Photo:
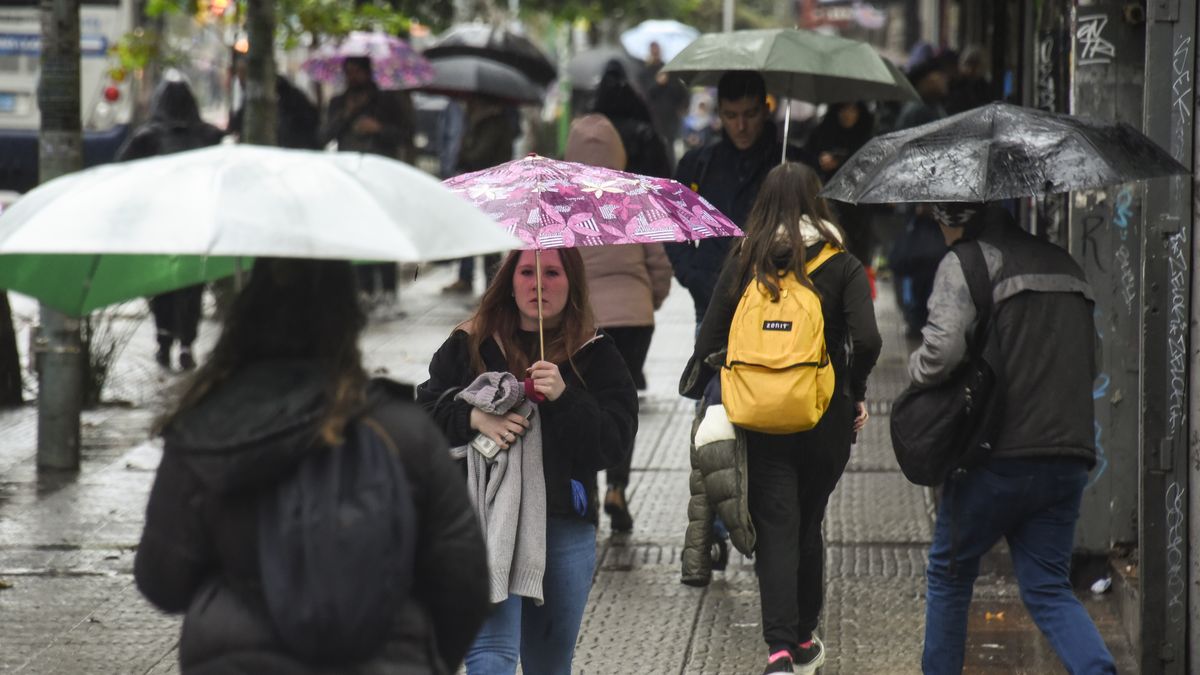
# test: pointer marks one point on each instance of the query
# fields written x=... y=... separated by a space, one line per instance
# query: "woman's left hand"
x=547 y=380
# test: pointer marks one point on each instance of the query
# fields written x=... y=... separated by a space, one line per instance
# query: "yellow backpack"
x=777 y=377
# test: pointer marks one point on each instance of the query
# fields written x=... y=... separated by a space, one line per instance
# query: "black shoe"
x=720 y=557
x=809 y=659
x=186 y=361
x=163 y=357
x=617 y=508
x=782 y=664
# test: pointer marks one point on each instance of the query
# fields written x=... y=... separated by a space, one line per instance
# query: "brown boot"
x=617 y=508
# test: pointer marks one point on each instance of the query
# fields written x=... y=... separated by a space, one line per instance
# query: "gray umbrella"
x=999 y=151
x=466 y=76
x=586 y=68
x=497 y=44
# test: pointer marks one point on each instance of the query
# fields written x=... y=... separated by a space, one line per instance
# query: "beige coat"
x=626 y=283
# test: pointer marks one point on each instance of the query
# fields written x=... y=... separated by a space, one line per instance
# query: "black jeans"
x=633 y=342
x=790 y=480
x=177 y=315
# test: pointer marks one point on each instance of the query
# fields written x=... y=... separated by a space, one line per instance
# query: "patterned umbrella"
x=394 y=63
x=549 y=204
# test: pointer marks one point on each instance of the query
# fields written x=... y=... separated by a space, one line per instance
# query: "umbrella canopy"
x=497 y=44
x=120 y=231
x=671 y=36
x=394 y=63
x=554 y=204
x=797 y=64
x=466 y=76
x=586 y=68
x=999 y=151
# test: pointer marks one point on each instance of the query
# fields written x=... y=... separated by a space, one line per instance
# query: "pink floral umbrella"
x=394 y=63
x=549 y=204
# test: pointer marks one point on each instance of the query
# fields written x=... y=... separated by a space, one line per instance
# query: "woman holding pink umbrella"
x=540 y=534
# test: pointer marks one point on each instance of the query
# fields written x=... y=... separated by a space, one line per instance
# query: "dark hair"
x=499 y=317
x=735 y=85
x=292 y=309
x=363 y=62
x=616 y=98
x=789 y=193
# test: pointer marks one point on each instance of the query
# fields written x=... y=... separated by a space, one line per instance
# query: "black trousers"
x=376 y=277
x=177 y=315
x=790 y=480
x=633 y=342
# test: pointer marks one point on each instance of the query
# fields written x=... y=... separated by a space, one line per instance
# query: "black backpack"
x=951 y=426
x=336 y=545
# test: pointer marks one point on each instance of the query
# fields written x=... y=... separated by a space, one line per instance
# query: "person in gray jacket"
x=1029 y=489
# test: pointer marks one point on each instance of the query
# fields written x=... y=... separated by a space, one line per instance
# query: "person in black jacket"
x=297 y=121
x=844 y=129
x=1028 y=492
x=617 y=100
x=727 y=173
x=588 y=421
x=284 y=380
x=791 y=476
x=174 y=126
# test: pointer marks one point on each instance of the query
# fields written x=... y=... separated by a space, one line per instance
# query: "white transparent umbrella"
x=121 y=231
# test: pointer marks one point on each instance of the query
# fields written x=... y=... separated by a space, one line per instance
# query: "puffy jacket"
x=719 y=486
x=1046 y=334
x=199 y=553
x=590 y=428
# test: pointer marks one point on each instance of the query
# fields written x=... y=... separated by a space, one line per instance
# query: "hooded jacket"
x=626 y=284
x=198 y=553
x=174 y=125
x=590 y=428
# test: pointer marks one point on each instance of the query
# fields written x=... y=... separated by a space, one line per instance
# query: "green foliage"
x=302 y=21
x=630 y=10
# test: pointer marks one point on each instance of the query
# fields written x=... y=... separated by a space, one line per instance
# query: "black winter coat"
x=199 y=554
x=590 y=428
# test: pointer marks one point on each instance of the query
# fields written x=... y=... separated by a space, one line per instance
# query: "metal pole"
x=727 y=17
x=787 y=125
x=60 y=151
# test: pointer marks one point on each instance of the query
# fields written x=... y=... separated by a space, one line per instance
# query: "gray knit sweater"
x=510 y=499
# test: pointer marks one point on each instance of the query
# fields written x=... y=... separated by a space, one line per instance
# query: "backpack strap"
x=827 y=252
x=974 y=266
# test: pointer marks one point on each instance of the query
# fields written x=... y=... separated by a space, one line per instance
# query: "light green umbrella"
x=121 y=231
x=797 y=64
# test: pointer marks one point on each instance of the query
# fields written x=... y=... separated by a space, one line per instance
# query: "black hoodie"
x=174 y=125
x=198 y=552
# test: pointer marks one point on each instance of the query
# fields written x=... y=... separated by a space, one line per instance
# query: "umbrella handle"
x=537 y=256
x=787 y=125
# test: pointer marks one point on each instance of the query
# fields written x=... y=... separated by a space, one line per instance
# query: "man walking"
x=727 y=173
x=1028 y=491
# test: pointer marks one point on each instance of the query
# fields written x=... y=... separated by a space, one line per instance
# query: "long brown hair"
x=292 y=309
x=499 y=317
x=789 y=194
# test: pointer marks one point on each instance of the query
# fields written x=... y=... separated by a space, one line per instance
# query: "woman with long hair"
x=791 y=476
x=283 y=384
x=586 y=421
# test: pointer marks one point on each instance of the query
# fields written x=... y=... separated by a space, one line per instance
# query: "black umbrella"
x=996 y=152
x=497 y=44
x=466 y=76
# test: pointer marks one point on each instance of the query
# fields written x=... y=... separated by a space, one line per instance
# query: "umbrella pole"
x=787 y=125
x=537 y=256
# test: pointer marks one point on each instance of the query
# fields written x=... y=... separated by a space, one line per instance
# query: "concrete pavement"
x=68 y=604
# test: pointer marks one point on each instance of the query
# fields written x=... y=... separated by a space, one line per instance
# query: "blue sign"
x=18 y=44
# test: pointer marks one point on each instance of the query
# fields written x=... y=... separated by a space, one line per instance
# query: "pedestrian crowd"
x=483 y=496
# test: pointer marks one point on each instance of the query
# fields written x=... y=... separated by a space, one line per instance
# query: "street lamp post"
x=727 y=17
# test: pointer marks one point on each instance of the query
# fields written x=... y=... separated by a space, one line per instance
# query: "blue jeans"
x=1033 y=504
x=542 y=638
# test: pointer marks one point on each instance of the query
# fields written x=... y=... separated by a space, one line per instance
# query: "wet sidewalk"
x=68 y=604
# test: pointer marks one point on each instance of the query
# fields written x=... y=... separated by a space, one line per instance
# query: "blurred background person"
x=297 y=120
x=626 y=285
x=174 y=126
x=491 y=130
x=844 y=129
x=617 y=99
x=667 y=98
x=364 y=118
x=970 y=86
